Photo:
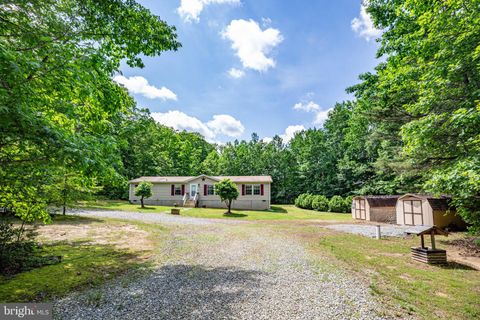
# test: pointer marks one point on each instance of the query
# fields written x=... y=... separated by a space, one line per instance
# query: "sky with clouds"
x=263 y=66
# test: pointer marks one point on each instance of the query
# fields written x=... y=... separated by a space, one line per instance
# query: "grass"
x=120 y=206
x=277 y=212
x=84 y=264
x=81 y=266
x=447 y=292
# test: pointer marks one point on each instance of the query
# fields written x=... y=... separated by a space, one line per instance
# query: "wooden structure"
x=375 y=208
x=427 y=210
x=425 y=254
x=175 y=211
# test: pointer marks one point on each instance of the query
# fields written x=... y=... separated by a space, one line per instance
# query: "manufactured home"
x=199 y=191
x=426 y=210
x=375 y=208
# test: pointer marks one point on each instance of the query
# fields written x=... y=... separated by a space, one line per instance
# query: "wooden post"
x=422 y=241
x=432 y=239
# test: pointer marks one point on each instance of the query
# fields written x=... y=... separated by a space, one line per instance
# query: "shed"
x=427 y=210
x=375 y=208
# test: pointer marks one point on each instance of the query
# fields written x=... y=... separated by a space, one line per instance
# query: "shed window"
x=256 y=189
x=248 y=189
x=210 y=190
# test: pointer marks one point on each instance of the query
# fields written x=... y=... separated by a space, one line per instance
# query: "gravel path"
x=229 y=272
x=370 y=230
x=163 y=217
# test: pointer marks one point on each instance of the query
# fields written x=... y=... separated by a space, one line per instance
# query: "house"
x=375 y=208
x=199 y=191
x=427 y=210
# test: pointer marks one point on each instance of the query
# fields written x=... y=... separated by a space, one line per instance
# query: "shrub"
x=16 y=249
x=336 y=204
x=320 y=203
x=348 y=204
x=299 y=200
x=307 y=201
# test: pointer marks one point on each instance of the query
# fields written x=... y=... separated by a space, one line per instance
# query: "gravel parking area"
x=162 y=217
x=230 y=272
x=370 y=230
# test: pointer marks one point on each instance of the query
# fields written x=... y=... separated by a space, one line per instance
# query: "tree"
x=144 y=190
x=227 y=191
x=59 y=107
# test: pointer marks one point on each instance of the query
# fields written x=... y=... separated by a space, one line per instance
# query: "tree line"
x=67 y=129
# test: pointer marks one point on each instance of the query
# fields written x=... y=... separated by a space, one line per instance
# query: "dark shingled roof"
x=380 y=201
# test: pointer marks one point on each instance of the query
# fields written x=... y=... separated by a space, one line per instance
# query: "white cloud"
x=225 y=124
x=252 y=44
x=308 y=107
x=221 y=124
x=290 y=132
x=267 y=139
x=139 y=85
x=236 y=73
x=320 y=115
x=363 y=25
x=190 y=10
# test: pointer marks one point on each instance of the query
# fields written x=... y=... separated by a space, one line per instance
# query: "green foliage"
x=227 y=191
x=143 y=190
x=320 y=203
x=336 y=204
x=17 y=250
x=59 y=107
x=348 y=204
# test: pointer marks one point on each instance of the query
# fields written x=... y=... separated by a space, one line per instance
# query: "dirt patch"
x=466 y=246
x=122 y=236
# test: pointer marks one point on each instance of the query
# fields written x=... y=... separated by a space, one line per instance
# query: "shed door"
x=360 y=212
x=412 y=212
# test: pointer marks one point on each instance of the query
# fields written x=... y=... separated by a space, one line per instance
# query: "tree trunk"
x=229 y=206
x=64 y=194
x=141 y=201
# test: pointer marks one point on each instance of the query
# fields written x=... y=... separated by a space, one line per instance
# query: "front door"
x=360 y=210
x=193 y=190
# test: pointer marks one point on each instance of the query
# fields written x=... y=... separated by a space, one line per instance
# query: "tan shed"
x=374 y=208
x=427 y=210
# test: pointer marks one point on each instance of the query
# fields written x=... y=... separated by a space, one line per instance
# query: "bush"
x=320 y=203
x=336 y=204
x=348 y=204
x=308 y=201
x=304 y=201
x=16 y=249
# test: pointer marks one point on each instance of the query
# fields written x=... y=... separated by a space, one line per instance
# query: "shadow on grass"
x=73 y=219
x=82 y=265
x=234 y=215
x=455 y=265
x=277 y=209
x=184 y=292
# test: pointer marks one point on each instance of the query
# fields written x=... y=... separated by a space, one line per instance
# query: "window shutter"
x=204 y=189
x=261 y=189
x=243 y=189
x=172 y=192
x=183 y=189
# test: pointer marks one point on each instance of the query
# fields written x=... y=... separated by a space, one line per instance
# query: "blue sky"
x=270 y=67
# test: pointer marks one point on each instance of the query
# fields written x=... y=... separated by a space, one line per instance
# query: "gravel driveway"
x=225 y=271
x=371 y=231
x=163 y=217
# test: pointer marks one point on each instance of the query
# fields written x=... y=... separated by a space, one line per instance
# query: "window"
x=252 y=189
x=178 y=190
x=210 y=190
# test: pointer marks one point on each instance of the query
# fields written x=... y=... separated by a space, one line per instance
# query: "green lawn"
x=277 y=212
x=82 y=264
x=121 y=206
x=446 y=292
